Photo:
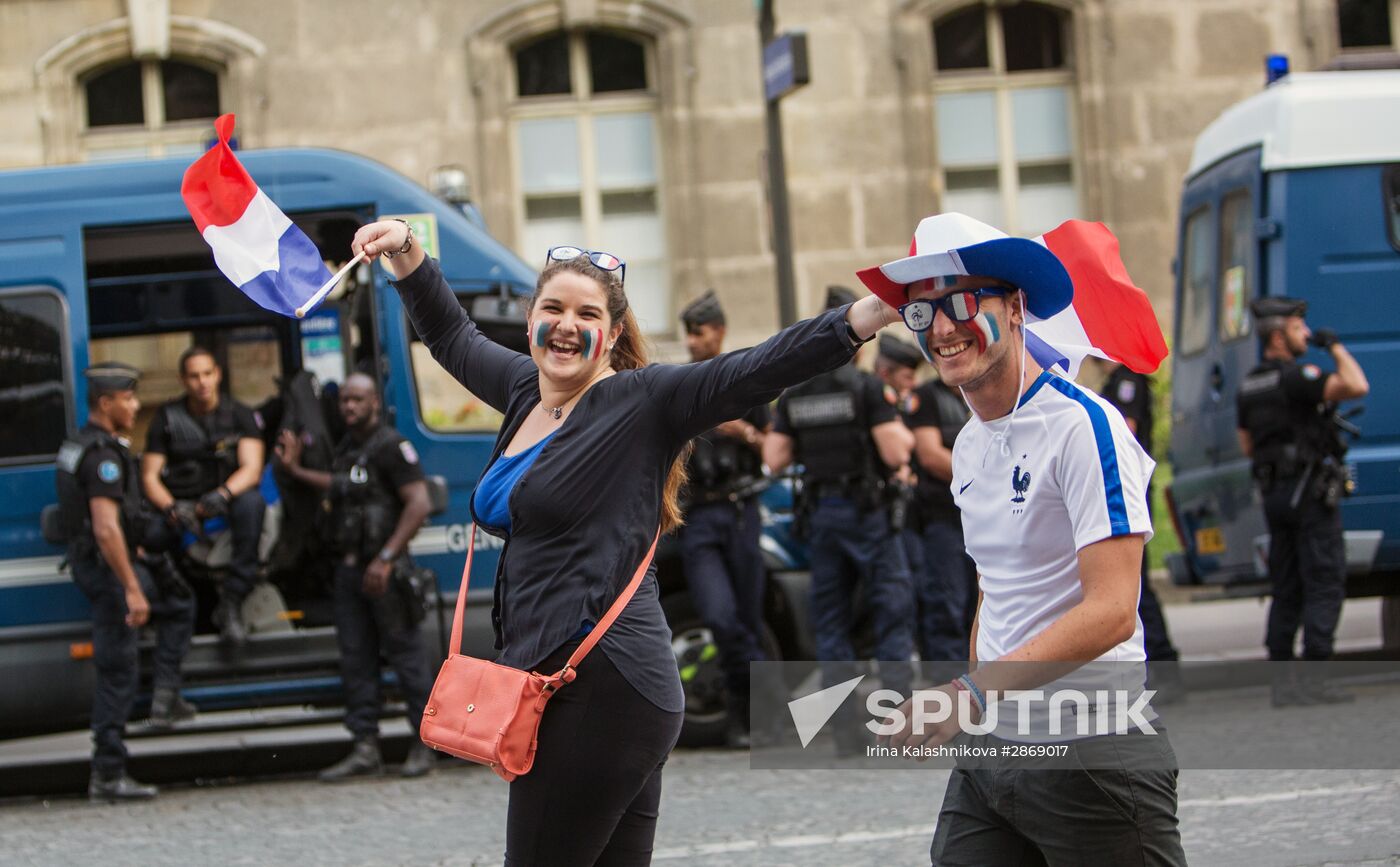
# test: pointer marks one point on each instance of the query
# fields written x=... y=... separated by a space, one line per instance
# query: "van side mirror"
x=438 y=495
x=51 y=525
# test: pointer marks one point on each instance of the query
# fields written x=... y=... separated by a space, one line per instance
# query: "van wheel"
x=1390 y=623
x=702 y=678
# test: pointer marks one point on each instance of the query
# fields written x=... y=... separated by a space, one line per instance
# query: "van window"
x=33 y=340
x=1194 y=316
x=444 y=404
x=1236 y=285
x=1391 y=186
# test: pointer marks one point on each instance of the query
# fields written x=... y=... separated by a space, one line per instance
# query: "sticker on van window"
x=1232 y=304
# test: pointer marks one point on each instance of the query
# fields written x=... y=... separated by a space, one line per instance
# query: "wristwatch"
x=385 y=555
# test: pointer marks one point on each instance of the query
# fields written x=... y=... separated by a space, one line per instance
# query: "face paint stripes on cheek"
x=592 y=343
x=987 y=331
x=540 y=336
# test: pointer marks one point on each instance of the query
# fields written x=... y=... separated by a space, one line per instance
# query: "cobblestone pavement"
x=716 y=811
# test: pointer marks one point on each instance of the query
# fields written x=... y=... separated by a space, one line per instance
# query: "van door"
x=1217 y=274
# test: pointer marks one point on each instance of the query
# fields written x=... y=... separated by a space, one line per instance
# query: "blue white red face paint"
x=590 y=339
x=983 y=325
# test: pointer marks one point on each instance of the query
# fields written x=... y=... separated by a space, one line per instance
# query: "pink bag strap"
x=566 y=674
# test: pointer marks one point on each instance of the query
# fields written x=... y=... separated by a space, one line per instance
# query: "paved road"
x=716 y=811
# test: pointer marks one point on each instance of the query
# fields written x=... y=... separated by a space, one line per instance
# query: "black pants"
x=1092 y=813
x=724 y=573
x=114 y=653
x=945 y=586
x=593 y=794
x=1307 y=566
x=245 y=519
x=365 y=627
x=1155 y=638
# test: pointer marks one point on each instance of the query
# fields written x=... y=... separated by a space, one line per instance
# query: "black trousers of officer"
x=365 y=626
x=945 y=585
x=245 y=518
x=1307 y=566
x=114 y=652
x=1155 y=638
x=853 y=548
x=724 y=572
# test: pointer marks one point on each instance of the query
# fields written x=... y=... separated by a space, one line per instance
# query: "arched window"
x=1004 y=114
x=149 y=108
x=1368 y=24
x=584 y=118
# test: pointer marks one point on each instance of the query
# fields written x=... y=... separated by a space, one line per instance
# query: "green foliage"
x=1164 y=539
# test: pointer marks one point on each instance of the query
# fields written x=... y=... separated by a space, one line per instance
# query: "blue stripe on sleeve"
x=1108 y=456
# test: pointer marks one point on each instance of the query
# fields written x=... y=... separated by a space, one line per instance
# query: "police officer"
x=1131 y=393
x=207 y=449
x=99 y=499
x=849 y=440
x=377 y=499
x=948 y=594
x=1285 y=427
x=720 y=540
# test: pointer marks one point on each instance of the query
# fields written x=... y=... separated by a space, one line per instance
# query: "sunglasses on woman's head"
x=606 y=261
x=957 y=306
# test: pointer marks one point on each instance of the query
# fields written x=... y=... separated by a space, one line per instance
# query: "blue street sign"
x=784 y=65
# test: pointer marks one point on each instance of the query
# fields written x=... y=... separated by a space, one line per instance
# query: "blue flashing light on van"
x=102 y=262
x=1294 y=191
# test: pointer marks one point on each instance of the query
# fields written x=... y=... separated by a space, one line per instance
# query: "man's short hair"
x=194 y=352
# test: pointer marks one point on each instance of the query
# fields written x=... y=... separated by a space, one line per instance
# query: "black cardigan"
x=583 y=515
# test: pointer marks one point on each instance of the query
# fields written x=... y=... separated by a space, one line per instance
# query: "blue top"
x=583 y=517
x=491 y=499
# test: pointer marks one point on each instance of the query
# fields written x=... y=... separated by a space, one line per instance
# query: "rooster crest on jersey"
x=1020 y=483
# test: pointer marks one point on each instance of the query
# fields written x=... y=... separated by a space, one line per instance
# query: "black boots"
x=1293 y=689
x=228 y=616
x=364 y=760
x=122 y=787
x=419 y=762
x=169 y=707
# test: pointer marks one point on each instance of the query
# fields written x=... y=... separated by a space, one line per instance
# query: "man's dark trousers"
x=724 y=572
x=944 y=591
x=245 y=518
x=365 y=626
x=1307 y=567
x=852 y=548
x=114 y=653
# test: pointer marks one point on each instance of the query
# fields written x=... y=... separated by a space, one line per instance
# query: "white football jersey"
x=1073 y=475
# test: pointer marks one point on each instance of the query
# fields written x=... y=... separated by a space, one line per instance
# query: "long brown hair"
x=628 y=353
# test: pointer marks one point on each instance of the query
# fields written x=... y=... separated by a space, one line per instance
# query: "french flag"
x=254 y=243
x=1109 y=317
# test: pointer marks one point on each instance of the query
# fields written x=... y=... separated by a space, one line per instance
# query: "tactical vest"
x=719 y=465
x=75 y=512
x=362 y=505
x=1287 y=436
x=831 y=430
x=195 y=461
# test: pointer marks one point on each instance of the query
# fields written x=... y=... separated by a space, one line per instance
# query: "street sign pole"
x=777 y=181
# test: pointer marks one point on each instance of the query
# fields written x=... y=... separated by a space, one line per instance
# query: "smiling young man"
x=1051 y=487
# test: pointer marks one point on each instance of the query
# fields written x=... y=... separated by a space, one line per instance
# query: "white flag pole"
x=330 y=284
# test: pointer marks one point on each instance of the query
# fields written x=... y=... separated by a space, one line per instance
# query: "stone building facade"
x=638 y=125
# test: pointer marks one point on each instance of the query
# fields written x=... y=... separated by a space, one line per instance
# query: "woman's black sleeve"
x=699 y=396
x=487 y=369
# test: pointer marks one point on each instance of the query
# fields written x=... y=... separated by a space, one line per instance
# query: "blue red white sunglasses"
x=958 y=306
x=606 y=261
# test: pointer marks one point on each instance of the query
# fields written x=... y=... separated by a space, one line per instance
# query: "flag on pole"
x=1109 y=316
x=261 y=251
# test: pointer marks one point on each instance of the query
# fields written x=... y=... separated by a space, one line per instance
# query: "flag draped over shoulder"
x=1109 y=316
x=261 y=251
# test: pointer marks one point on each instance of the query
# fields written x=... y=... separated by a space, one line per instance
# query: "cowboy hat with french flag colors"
x=254 y=243
x=1080 y=300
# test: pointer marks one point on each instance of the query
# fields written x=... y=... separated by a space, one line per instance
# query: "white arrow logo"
x=811 y=712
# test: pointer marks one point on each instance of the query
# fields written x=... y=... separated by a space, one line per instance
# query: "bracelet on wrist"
x=385 y=555
x=407 y=241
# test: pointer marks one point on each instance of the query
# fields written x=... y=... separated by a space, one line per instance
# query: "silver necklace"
x=557 y=412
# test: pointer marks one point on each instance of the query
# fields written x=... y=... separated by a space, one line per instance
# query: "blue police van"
x=1293 y=191
x=101 y=262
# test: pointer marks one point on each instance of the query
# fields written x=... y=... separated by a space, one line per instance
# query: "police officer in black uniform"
x=1131 y=392
x=377 y=499
x=720 y=540
x=99 y=498
x=1285 y=426
x=948 y=597
x=206 y=449
x=849 y=440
